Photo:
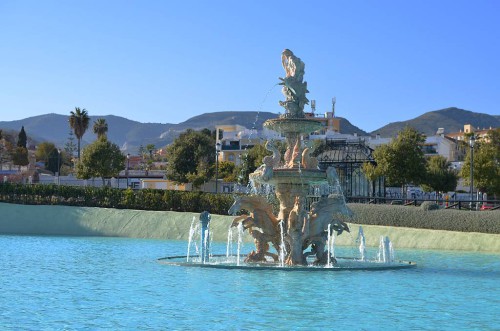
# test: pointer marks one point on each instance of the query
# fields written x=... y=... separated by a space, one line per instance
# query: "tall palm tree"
x=100 y=128
x=79 y=122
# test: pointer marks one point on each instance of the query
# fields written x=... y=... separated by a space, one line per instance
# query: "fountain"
x=305 y=223
x=303 y=227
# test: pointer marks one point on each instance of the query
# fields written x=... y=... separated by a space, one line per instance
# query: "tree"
x=54 y=161
x=486 y=164
x=100 y=159
x=190 y=157
x=22 y=140
x=6 y=147
x=20 y=156
x=43 y=152
x=79 y=122
x=150 y=148
x=440 y=177
x=2 y=149
x=70 y=148
x=402 y=161
x=227 y=171
x=100 y=128
x=372 y=173
x=141 y=151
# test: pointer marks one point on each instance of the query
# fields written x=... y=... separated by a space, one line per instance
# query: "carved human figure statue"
x=294 y=67
x=294 y=89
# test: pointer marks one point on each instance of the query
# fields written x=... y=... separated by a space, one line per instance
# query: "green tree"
x=2 y=149
x=70 y=148
x=20 y=156
x=141 y=150
x=190 y=157
x=79 y=122
x=372 y=173
x=100 y=128
x=227 y=171
x=402 y=161
x=486 y=164
x=54 y=161
x=100 y=159
x=6 y=148
x=440 y=177
x=43 y=151
x=318 y=146
x=150 y=148
x=22 y=140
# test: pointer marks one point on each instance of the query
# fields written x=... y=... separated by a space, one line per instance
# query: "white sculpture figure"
x=309 y=161
x=294 y=89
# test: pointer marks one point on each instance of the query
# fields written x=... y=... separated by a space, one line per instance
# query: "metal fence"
x=443 y=203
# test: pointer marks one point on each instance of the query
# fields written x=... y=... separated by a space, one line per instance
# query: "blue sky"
x=166 y=61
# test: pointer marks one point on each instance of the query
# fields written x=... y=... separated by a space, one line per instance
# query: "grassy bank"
x=88 y=221
x=420 y=218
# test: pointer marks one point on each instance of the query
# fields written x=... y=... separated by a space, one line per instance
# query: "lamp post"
x=128 y=165
x=217 y=150
x=471 y=142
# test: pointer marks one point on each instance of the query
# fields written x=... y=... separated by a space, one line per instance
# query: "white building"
x=234 y=140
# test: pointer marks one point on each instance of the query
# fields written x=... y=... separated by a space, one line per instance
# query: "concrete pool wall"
x=87 y=221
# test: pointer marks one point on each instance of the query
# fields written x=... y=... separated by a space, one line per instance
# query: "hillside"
x=129 y=135
x=451 y=119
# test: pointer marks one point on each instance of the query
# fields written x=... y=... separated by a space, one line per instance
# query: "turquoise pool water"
x=74 y=283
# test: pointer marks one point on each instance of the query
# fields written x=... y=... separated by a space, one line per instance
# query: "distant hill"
x=248 y=119
x=451 y=119
x=347 y=127
x=129 y=135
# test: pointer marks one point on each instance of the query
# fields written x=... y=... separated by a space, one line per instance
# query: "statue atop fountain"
x=306 y=224
x=294 y=89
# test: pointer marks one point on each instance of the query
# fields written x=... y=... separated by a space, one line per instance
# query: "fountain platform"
x=292 y=125
x=343 y=264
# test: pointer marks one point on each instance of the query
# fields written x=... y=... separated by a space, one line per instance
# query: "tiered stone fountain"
x=301 y=228
x=297 y=226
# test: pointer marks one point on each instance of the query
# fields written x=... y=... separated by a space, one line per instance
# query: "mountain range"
x=450 y=119
x=129 y=135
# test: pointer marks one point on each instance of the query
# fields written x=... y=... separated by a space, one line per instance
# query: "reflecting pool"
x=77 y=283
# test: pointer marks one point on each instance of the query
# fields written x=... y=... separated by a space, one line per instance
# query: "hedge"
x=424 y=217
x=147 y=199
x=420 y=218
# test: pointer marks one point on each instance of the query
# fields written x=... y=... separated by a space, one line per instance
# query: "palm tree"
x=100 y=128
x=79 y=122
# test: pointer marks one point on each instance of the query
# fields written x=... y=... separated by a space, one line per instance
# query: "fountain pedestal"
x=292 y=175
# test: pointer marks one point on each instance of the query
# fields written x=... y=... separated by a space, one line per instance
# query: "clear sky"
x=166 y=61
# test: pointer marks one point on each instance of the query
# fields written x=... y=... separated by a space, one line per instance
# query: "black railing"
x=443 y=203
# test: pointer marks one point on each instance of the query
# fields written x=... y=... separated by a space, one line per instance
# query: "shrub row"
x=147 y=199
x=424 y=217
x=427 y=218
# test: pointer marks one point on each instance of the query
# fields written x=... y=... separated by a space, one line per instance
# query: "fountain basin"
x=343 y=264
x=293 y=125
x=297 y=176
